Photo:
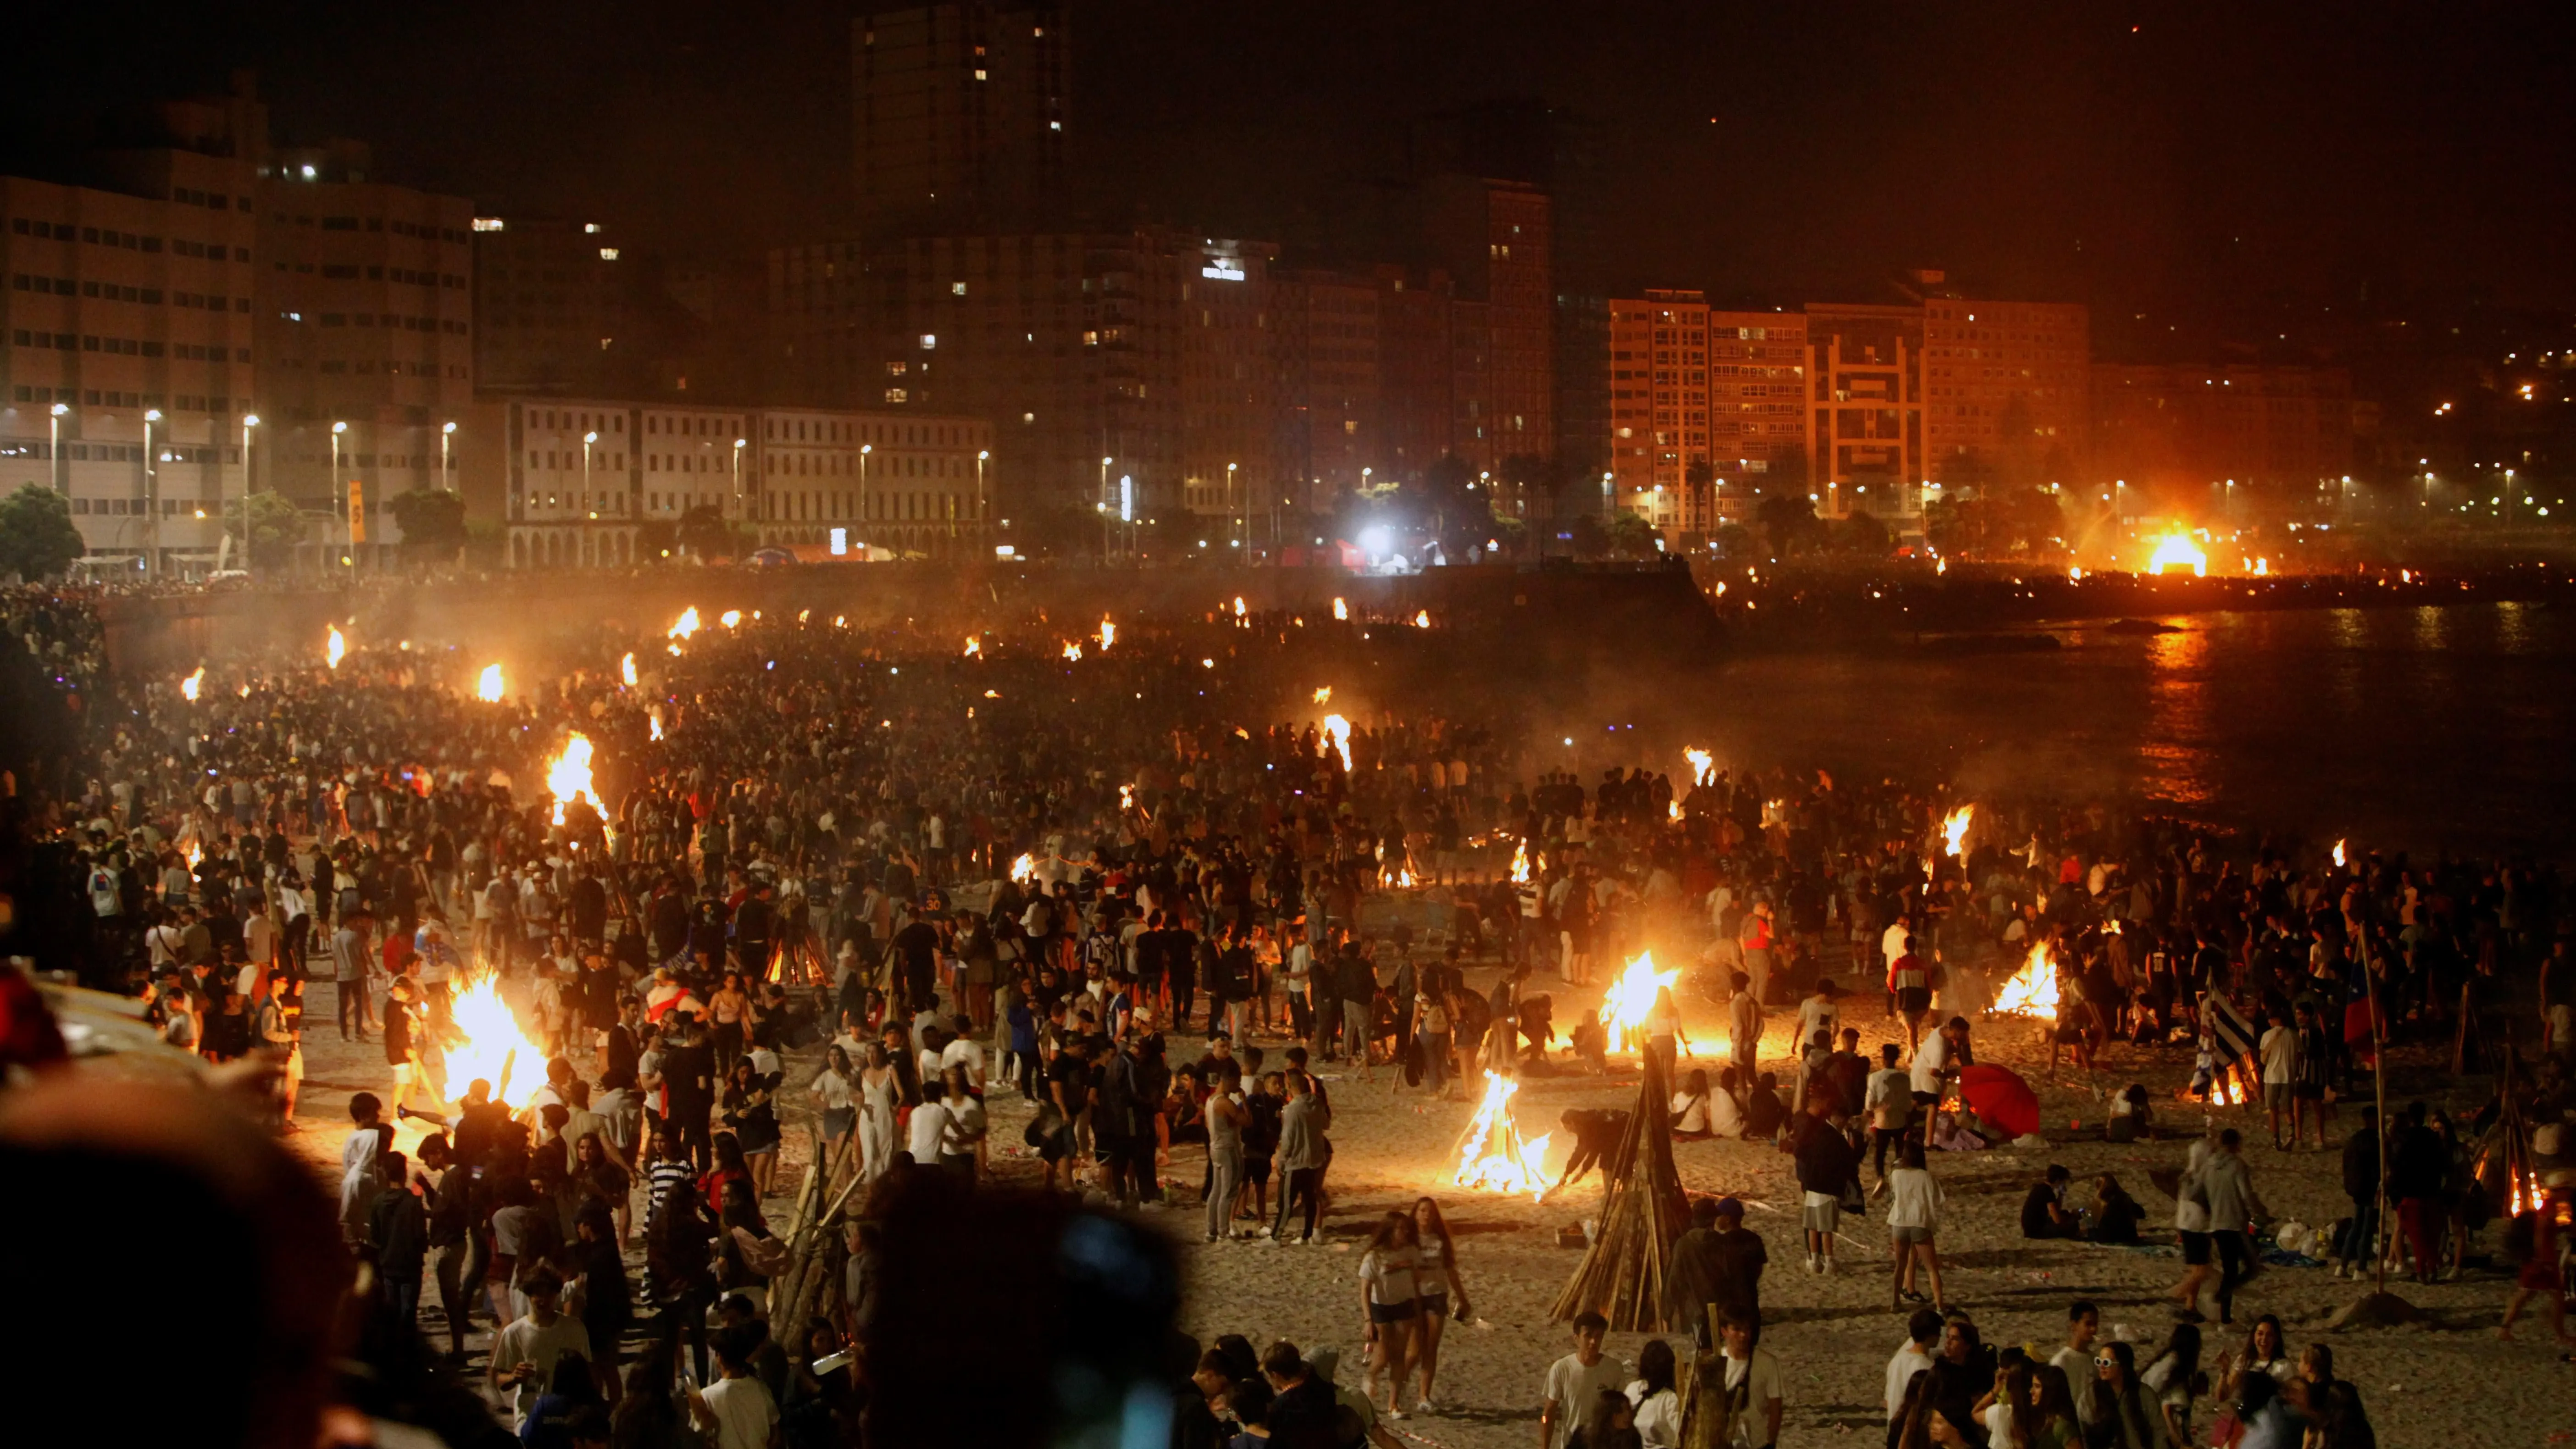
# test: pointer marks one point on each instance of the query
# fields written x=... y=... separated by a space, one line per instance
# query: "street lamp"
x=339 y=504
x=62 y=479
x=867 y=501
x=737 y=473
x=1104 y=508
x=151 y=500
x=1233 y=518
x=249 y=421
x=446 y=436
x=980 y=507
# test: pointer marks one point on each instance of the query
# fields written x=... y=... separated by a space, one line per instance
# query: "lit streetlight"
x=249 y=421
x=446 y=438
x=740 y=443
x=151 y=499
x=54 y=421
x=341 y=504
x=981 y=507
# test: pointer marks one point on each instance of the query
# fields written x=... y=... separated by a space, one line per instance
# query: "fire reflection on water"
x=2176 y=751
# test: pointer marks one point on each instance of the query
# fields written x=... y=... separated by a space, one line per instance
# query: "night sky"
x=2198 y=163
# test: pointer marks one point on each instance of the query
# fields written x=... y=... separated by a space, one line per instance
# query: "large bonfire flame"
x=489 y=1044
x=1341 y=608
x=334 y=648
x=1108 y=634
x=2033 y=989
x=1024 y=869
x=2174 y=551
x=1521 y=863
x=189 y=686
x=1491 y=1156
x=568 y=775
x=626 y=669
x=1337 y=737
x=1072 y=650
x=1624 y=1007
x=487 y=686
x=687 y=626
x=1954 y=830
x=1703 y=765
x=974 y=646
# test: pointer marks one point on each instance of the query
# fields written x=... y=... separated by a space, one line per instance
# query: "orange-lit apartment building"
x=2006 y=389
x=1689 y=385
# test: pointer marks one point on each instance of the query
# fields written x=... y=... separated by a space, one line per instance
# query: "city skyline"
x=2198 y=165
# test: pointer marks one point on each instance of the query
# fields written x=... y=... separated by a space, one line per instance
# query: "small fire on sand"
x=974 y=646
x=1521 y=863
x=1341 y=610
x=2033 y=989
x=189 y=686
x=334 y=648
x=1624 y=1006
x=1492 y=1157
x=687 y=626
x=1324 y=694
x=1422 y=619
x=1024 y=869
x=1108 y=635
x=1703 y=765
x=626 y=669
x=487 y=686
x=1072 y=650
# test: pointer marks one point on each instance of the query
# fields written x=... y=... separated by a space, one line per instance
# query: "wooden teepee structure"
x=1622 y=1274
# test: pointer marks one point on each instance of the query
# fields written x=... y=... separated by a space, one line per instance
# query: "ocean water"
x=2398 y=728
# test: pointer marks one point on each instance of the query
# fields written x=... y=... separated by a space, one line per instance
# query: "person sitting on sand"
x=1764 y=1112
x=2044 y=1213
x=1693 y=1118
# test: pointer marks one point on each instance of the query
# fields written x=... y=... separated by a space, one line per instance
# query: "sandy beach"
x=1833 y=1335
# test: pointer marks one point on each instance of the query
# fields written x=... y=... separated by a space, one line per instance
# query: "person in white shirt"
x=1934 y=1059
x=961 y=1138
x=1756 y=1372
x=963 y=1050
x=1914 y=1356
x=1820 y=1012
x=1657 y=1402
x=1576 y=1381
x=1913 y=1220
x=929 y=1130
x=736 y=1411
x=1889 y=1101
x=524 y=1352
x=2083 y=1325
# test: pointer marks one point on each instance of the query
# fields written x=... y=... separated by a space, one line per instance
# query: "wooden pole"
x=2379 y=1083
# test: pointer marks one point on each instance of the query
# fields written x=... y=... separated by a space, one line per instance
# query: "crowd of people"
x=870 y=876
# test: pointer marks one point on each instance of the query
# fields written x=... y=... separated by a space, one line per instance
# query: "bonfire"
x=2032 y=992
x=488 y=1044
x=687 y=626
x=1337 y=738
x=334 y=648
x=189 y=686
x=626 y=669
x=1703 y=765
x=1629 y=999
x=487 y=685
x=1492 y=1157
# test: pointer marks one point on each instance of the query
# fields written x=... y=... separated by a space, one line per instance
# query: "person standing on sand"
x=1303 y=1151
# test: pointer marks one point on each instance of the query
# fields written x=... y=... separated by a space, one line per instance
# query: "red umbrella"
x=2001 y=1097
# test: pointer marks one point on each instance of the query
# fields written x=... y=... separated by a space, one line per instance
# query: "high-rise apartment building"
x=1707 y=407
x=2004 y=391
x=365 y=341
x=550 y=308
x=1095 y=356
x=1757 y=405
x=1493 y=238
x=1864 y=389
x=1659 y=407
x=959 y=114
x=127 y=315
